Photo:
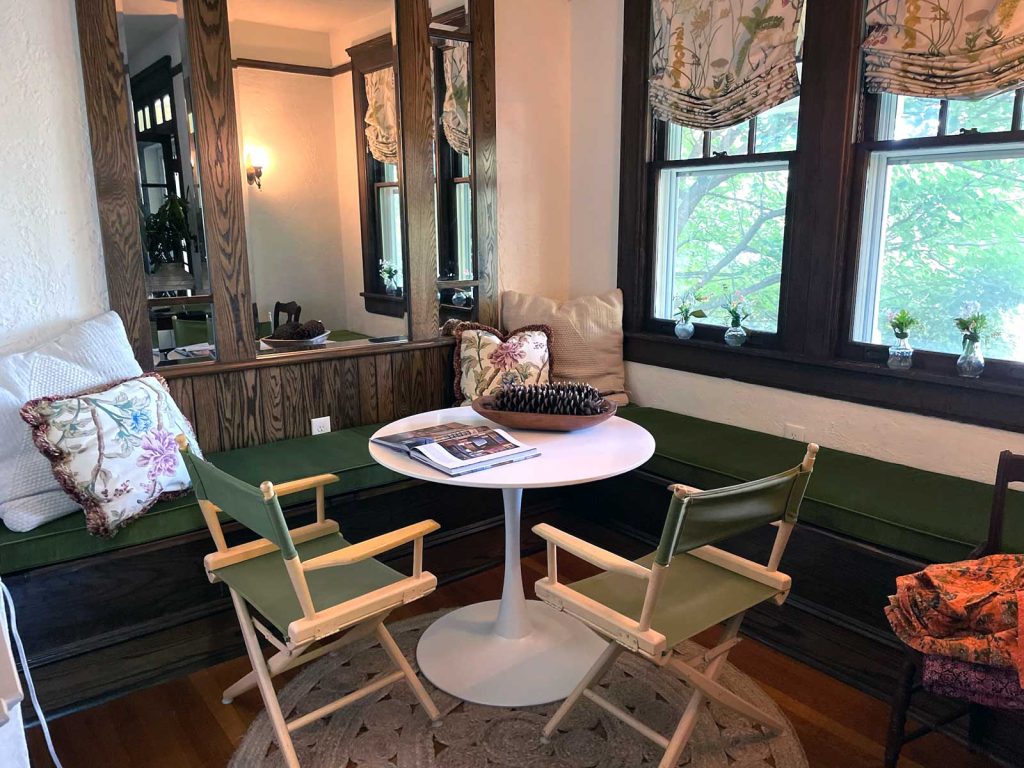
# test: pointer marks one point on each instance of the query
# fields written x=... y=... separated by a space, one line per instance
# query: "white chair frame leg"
x=705 y=687
x=263 y=672
x=264 y=683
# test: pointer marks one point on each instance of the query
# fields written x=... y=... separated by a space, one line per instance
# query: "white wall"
x=252 y=40
x=532 y=80
x=293 y=232
x=50 y=255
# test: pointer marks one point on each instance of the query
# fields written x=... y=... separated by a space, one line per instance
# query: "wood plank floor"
x=182 y=723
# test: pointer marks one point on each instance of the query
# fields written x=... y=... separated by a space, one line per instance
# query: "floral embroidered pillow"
x=485 y=360
x=113 y=450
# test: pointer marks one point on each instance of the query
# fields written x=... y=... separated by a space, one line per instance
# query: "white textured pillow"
x=92 y=354
x=113 y=450
x=586 y=337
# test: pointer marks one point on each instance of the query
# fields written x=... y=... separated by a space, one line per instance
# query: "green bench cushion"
x=924 y=514
x=343 y=451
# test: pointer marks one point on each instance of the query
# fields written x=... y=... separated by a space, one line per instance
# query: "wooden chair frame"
x=1009 y=470
x=355 y=618
x=625 y=633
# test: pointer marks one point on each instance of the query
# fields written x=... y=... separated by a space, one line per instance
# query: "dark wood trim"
x=947 y=397
x=115 y=167
x=213 y=108
x=635 y=153
x=311 y=356
x=416 y=164
x=370 y=56
x=485 y=160
x=179 y=301
x=296 y=69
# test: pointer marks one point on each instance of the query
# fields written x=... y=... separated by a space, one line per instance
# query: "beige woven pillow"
x=586 y=337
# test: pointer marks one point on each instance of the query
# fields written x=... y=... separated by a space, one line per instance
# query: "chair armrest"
x=304 y=484
x=682 y=491
x=364 y=550
x=602 y=558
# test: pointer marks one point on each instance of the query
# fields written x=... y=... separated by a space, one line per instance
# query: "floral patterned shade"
x=113 y=451
x=455 y=117
x=381 y=115
x=716 y=63
x=944 y=48
x=485 y=360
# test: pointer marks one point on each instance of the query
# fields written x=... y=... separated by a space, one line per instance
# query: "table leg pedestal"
x=512 y=652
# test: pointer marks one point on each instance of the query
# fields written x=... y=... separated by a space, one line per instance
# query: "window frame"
x=812 y=351
x=369 y=57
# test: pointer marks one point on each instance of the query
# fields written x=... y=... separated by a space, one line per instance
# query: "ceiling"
x=313 y=15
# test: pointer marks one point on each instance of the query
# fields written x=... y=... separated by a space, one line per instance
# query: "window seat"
x=923 y=514
x=343 y=451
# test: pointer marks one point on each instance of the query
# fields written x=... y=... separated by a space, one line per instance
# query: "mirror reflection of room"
x=170 y=215
x=325 y=259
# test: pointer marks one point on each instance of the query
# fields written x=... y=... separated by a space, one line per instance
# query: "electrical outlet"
x=794 y=432
x=320 y=426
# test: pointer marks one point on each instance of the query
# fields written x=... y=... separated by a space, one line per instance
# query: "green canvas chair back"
x=709 y=516
x=241 y=502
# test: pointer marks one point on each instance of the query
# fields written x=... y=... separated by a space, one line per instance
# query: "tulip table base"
x=511 y=652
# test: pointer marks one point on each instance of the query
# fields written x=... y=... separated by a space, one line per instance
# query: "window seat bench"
x=926 y=515
x=343 y=451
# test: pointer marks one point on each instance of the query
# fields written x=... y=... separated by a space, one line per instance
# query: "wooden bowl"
x=543 y=422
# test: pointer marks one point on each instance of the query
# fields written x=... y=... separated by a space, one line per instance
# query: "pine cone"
x=567 y=399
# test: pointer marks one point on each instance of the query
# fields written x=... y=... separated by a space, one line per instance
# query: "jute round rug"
x=389 y=729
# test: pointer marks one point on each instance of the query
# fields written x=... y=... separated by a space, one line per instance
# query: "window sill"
x=976 y=401
x=382 y=304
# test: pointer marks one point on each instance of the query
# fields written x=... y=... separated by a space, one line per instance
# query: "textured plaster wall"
x=533 y=87
x=50 y=255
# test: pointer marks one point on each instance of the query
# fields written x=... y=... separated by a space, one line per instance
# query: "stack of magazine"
x=458 y=449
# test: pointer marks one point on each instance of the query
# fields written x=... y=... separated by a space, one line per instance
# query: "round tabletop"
x=566 y=458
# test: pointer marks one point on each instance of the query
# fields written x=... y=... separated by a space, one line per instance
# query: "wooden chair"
x=1009 y=470
x=291 y=311
x=305 y=611
x=651 y=605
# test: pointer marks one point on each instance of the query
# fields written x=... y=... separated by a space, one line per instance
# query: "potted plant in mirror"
x=971 y=323
x=388 y=272
x=686 y=311
x=901 y=354
x=739 y=310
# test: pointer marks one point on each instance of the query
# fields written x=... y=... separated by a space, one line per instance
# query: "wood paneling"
x=485 y=158
x=213 y=106
x=236 y=406
x=114 y=165
x=416 y=165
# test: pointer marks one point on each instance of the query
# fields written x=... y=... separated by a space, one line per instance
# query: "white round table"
x=514 y=652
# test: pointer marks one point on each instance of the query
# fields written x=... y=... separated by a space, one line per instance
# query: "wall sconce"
x=255 y=164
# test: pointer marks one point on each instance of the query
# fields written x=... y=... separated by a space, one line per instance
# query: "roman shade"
x=944 y=48
x=716 y=63
x=455 y=115
x=381 y=115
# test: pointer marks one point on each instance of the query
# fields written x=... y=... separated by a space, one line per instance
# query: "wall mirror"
x=319 y=141
x=318 y=201
x=154 y=52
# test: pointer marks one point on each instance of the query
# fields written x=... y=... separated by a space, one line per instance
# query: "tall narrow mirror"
x=156 y=65
x=319 y=149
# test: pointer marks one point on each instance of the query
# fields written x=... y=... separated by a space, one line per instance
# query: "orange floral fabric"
x=966 y=610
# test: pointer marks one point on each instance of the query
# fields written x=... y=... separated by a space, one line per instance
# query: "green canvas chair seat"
x=652 y=605
x=315 y=590
x=695 y=595
x=263 y=581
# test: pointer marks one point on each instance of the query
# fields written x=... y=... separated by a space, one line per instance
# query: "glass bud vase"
x=390 y=288
x=736 y=335
x=684 y=330
x=901 y=355
x=971 y=362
